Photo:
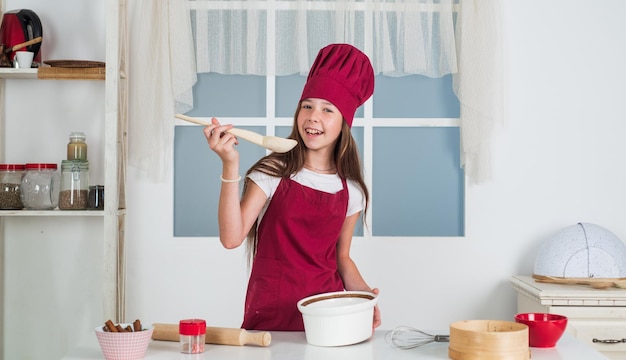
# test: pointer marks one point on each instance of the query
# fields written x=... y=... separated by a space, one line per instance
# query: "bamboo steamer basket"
x=488 y=340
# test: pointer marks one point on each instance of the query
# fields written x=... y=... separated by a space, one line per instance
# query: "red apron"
x=296 y=255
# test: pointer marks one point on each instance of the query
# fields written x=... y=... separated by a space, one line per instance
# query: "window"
x=408 y=135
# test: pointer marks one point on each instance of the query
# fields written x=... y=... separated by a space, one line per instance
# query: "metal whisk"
x=406 y=337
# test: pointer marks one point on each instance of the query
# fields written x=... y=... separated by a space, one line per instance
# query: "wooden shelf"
x=56 y=212
x=54 y=73
x=61 y=73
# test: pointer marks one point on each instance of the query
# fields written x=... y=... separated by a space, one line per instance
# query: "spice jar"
x=40 y=186
x=192 y=335
x=96 y=197
x=74 y=192
x=77 y=147
x=10 y=184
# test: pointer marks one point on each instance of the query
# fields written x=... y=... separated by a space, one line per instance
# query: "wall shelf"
x=12 y=73
x=54 y=73
x=66 y=213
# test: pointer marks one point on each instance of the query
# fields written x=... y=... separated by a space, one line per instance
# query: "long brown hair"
x=282 y=165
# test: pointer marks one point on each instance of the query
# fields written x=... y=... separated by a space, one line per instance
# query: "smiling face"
x=319 y=123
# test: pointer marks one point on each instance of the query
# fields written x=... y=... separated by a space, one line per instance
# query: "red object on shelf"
x=19 y=26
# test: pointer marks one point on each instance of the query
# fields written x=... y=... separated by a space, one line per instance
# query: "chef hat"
x=343 y=75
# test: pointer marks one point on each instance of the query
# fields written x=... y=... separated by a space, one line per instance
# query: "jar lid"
x=41 y=166
x=77 y=136
x=12 y=167
x=71 y=164
x=192 y=327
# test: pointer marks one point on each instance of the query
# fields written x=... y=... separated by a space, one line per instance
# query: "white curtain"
x=401 y=37
x=161 y=75
x=478 y=84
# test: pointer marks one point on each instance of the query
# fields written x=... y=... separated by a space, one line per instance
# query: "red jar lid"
x=35 y=166
x=11 y=167
x=192 y=327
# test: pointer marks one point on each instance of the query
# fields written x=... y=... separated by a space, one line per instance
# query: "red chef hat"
x=343 y=75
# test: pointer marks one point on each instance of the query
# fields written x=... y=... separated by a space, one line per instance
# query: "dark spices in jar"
x=11 y=186
x=10 y=196
x=96 y=197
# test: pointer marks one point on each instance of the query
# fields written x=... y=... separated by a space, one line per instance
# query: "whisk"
x=406 y=337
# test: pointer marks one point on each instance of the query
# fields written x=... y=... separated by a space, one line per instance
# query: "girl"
x=298 y=209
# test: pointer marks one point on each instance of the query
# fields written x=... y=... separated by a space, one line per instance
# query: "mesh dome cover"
x=583 y=250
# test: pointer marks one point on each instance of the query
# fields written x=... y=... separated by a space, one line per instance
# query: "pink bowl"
x=544 y=330
x=124 y=346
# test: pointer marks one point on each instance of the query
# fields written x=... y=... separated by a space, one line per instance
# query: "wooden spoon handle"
x=191 y=119
x=27 y=43
x=244 y=134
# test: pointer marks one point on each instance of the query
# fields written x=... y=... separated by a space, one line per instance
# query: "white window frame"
x=368 y=122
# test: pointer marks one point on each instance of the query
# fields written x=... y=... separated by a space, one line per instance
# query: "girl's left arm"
x=352 y=279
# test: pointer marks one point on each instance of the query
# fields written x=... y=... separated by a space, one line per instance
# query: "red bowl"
x=544 y=330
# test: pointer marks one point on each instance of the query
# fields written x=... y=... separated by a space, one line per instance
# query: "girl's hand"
x=221 y=141
x=377 y=320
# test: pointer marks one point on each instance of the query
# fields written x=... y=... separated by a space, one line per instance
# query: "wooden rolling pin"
x=215 y=335
x=596 y=283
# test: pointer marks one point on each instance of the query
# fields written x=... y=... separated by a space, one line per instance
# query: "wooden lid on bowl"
x=488 y=340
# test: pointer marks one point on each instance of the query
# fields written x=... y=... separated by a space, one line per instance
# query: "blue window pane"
x=418 y=185
x=288 y=92
x=229 y=96
x=357 y=134
x=197 y=171
x=415 y=96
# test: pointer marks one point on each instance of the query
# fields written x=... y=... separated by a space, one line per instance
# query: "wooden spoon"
x=273 y=143
x=24 y=44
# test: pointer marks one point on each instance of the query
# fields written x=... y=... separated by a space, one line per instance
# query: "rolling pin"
x=215 y=335
x=596 y=283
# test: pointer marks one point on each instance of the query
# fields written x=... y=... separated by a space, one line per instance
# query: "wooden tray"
x=75 y=63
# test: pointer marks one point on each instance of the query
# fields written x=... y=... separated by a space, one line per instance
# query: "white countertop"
x=293 y=345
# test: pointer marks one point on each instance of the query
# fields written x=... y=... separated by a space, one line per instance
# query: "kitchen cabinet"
x=111 y=142
x=595 y=316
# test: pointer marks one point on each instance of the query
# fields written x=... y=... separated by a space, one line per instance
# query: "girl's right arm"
x=235 y=216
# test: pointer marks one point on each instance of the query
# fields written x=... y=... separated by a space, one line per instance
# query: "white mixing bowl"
x=338 y=318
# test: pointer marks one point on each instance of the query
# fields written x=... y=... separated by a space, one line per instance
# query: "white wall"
x=557 y=162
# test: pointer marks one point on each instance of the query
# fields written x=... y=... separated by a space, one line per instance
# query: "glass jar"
x=192 y=336
x=74 y=192
x=40 y=186
x=77 y=147
x=10 y=186
x=96 y=197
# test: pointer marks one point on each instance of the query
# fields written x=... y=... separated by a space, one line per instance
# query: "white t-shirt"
x=330 y=183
